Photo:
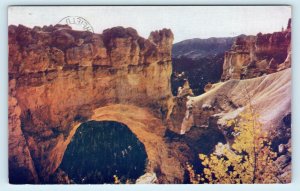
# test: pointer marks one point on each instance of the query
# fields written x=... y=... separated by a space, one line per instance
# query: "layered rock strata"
x=63 y=78
x=253 y=56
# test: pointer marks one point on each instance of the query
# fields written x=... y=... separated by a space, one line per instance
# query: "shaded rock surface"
x=60 y=177
x=21 y=167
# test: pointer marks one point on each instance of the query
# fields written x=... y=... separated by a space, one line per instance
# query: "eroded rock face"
x=62 y=77
x=21 y=167
x=253 y=56
x=232 y=96
x=256 y=71
x=270 y=97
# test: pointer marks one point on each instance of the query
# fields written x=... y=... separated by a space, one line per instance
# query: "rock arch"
x=56 y=84
x=147 y=128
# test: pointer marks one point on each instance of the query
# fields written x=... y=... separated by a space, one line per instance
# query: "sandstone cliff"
x=253 y=56
x=63 y=77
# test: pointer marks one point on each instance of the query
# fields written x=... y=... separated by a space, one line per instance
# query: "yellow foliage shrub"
x=250 y=158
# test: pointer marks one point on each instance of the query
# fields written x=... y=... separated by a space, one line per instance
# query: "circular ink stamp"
x=77 y=23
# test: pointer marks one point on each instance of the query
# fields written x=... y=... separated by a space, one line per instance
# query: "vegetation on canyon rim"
x=250 y=158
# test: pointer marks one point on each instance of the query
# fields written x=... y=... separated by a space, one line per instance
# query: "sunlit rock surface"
x=253 y=56
x=64 y=77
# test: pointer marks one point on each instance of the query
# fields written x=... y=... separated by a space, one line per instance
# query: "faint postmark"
x=77 y=23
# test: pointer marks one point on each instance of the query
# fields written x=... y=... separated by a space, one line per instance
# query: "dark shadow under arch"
x=101 y=149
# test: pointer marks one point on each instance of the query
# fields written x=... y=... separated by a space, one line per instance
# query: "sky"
x=186 y=22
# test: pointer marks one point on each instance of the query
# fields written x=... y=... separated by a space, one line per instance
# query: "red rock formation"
x=62 y=77
x=253 y=56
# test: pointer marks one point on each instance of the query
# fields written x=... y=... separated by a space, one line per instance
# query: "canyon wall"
x=61 y=78
x=269 y=96
x=256 y=72
x=253 y=56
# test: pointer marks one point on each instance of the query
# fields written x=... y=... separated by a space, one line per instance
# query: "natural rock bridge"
x=57 y=83
x=60 y=78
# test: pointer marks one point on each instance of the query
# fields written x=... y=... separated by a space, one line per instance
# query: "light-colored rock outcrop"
x=148 y=178
x=269 y=95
